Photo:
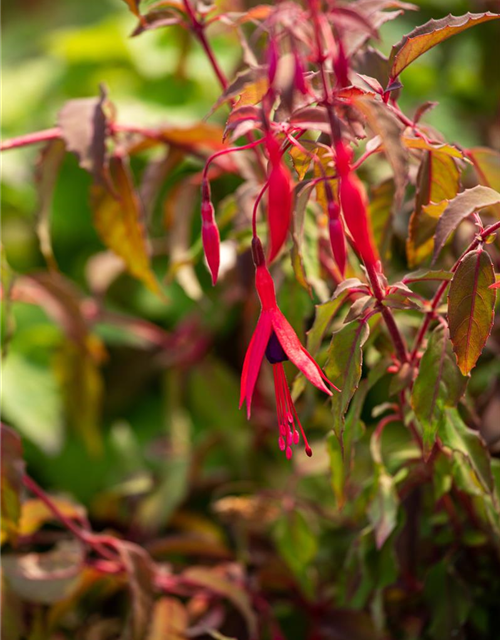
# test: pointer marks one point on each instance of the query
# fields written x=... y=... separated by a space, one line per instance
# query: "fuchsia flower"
x=275 y=338
x=280 y=198
x=209 y=232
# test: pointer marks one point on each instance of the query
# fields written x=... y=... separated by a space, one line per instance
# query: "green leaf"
x=12 y=481
x=381 y=216
x=118 y=219
x=428 y=35
x=297 y=544
x=343 y=368
x=383 y=510
x=424 y=275
x=448 y=600
x=462 y=206
x=471 y=306
x=439 y=384
x=438 y=181
x=471 y=449
x=40 y=419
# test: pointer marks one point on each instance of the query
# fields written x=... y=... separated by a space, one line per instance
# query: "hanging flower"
x=209 y=232
x=275 y=338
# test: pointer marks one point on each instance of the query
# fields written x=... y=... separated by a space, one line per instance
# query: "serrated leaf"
x=118 y=219
x=428 y=35
x=471 y=305
x=83 y=127
x=343 y=368
x=462 y=206
x=140 y=574
x=438 y=181
x=439 y=384
x=12 y=481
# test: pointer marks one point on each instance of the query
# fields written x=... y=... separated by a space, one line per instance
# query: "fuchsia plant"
x=315 y=117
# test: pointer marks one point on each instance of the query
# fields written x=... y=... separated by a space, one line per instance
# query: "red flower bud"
x=356 y=217
x=279 y=209
x=300 y=83
x=272 y=60
x=337 y=236
x=210 y=233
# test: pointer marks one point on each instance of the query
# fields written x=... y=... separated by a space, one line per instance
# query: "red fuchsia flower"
x=209 y=232
x=353 y=201
x=337 y=235
x=280 y=198
x=275 y=338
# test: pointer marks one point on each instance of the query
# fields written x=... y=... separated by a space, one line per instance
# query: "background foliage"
x=137 y=427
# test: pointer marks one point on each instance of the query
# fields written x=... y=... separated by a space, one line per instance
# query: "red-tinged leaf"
x=59 y=298
x=47 y=171
x=46 y=577
x=169 y=620
x=83 y=125
x=157 y=20
x=462 y=206
x=438 y=181
x=254 y=14
x=118 y=219
x=133 y=5
x=216 y=582
x=140 y=573
x=471 y=306
x=247 y=81
x=384 y=124
x=414 y=142
x=343 y=368
x=428 y=35
x=487 y=165
x=11 y=482
x=337 y=242
x=200 y=138
x=439 y=384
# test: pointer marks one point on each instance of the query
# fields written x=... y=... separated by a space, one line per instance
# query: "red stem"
x=31 y=138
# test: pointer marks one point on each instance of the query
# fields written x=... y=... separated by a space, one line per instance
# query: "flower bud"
x=356 y=217
x=280 y=199
x=209 y=232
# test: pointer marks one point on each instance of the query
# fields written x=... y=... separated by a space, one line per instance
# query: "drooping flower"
x=275 y=338
x=280 y=198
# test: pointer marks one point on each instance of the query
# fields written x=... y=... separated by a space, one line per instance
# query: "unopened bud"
x=211 y=246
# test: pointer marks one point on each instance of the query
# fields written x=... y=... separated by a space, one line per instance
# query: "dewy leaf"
x=438 y=181
x=83 y=127
x=218 y=583
x=439 y=384
x=343 y=368
x=140 y=572
x=47 y=170
x=428 y=35
x=12 y=481
x=462 y=206
x=471 y=306
x=119 y=221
